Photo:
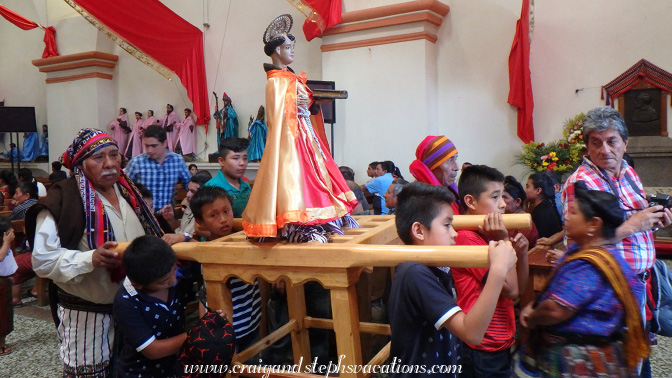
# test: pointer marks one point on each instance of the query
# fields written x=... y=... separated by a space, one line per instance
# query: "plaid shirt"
x=637 y=249
x=160 y=179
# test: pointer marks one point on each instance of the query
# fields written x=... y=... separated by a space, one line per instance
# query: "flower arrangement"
x=573 y=130
x=560 y=156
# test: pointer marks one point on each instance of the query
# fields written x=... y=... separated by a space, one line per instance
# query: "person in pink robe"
x=149 y=121
x=135 y=141
x=120 y=129
x=186 y=130
x=169 y=122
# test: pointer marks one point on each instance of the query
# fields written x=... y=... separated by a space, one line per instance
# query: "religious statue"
x=226 y=118
x=298 y=185
x=43 y=153
x=257 y=134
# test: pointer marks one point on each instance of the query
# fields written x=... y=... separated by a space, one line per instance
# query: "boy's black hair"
x=25 y=174
x=147 y=259
x=347 y=173
x=543 y=180
x=155 y=131
x=144 y=192
x=56 y=165
x=419 y=202
x=192 y=165
x=28 y=187
x=514 y=188
x=373 y=164
x=201 y=178
x=232 y=144
x=387 y=166
x=206 y=195
x=5 y=225
x=473 y=180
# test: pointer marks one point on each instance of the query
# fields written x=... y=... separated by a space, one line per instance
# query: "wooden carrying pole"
x=337 y=266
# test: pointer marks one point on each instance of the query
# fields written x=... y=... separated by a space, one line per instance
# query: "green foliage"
x=561 y=156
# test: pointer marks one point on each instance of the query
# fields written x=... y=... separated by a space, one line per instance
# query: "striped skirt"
x=86 y=343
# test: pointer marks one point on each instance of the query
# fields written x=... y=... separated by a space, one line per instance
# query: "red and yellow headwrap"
x=85 y=144
x=430 y=154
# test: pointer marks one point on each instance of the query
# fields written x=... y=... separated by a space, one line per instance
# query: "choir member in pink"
x=169 y=122
x=135 y=141
x=120 y=129
x=149 y=121
x=187 y=140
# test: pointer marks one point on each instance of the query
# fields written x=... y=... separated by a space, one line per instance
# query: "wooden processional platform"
x=337 y=266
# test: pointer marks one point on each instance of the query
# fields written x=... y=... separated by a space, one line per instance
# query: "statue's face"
x=286 y=51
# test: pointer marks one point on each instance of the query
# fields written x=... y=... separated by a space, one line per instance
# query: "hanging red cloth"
x=320 y=15
x=162 y=35
x=25 y=24
x=520 y=84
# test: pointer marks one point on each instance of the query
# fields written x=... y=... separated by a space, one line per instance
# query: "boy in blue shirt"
x=148 y=311
x=378 y=186
x=425 y=319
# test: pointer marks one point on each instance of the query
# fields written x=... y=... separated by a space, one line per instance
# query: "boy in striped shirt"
x=213 y=212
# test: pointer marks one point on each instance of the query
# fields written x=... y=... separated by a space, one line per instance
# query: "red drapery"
x=320 y=16
x=520 y=84
x=25 y=24
x=163 y=35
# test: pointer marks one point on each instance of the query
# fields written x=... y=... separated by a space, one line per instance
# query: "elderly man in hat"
x=75 y=227
x=436 y=164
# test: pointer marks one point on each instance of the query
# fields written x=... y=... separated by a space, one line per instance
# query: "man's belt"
x=72 y=302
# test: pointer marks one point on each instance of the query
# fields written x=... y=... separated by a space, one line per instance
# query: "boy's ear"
x=418 y=231
x=470 y=201
x=537 y=190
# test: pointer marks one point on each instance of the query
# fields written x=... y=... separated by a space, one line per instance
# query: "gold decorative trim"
x=309 y=13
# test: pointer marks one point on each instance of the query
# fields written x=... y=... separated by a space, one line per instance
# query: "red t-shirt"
x=469 y=283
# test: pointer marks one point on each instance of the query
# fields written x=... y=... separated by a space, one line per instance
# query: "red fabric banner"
x=326 y=14
x=25 y=24
x=520 y=84
x=163 y=35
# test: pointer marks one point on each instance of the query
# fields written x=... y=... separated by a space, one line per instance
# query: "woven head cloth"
x=430 y=154
x=85 y=144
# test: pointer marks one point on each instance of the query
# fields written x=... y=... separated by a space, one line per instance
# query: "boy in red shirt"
x=480 y=189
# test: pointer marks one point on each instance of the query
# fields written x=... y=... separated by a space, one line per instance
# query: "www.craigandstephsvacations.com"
x=394 y=367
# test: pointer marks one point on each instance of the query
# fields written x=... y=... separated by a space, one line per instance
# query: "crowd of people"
x=126 y=316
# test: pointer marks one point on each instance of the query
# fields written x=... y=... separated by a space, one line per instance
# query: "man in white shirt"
x=75 y=227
